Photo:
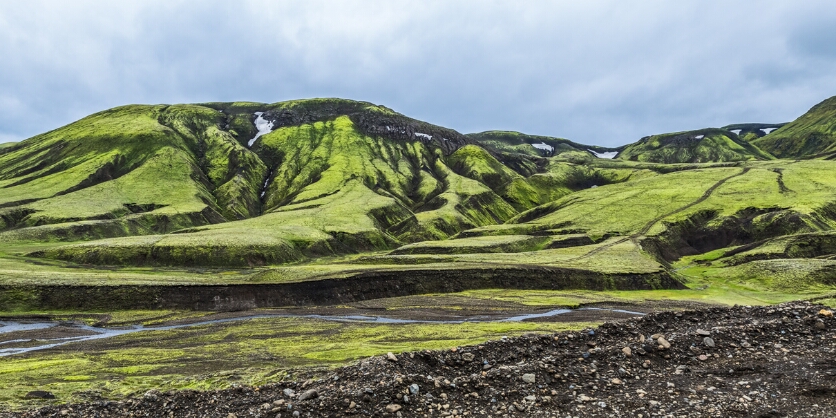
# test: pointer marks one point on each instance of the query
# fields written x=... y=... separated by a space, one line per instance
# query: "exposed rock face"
x=766 y=361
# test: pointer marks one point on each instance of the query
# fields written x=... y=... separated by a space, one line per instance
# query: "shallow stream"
x=87 y=333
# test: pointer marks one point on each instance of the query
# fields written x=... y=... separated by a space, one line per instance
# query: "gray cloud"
x=602 y=72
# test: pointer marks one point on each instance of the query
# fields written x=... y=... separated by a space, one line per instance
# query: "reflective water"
x=88 y=333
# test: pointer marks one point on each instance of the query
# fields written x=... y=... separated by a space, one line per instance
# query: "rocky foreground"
x=775 y=361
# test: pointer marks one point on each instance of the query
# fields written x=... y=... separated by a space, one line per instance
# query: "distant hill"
x=811 y=135
x=536 y=145
x=700 y=146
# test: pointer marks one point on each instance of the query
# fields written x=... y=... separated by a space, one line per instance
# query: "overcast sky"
x=600 y=72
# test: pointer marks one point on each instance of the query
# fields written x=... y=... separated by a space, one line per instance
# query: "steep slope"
x=811 y=135
x=280 y=182
x=701 y=146
x=128 y=170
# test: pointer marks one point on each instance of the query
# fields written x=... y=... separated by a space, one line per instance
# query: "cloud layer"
x=602 y=72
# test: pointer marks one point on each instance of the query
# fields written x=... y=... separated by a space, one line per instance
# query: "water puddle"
x=89 y=333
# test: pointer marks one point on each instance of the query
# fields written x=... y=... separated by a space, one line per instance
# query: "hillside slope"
x=249 y=183
x=811 y=135
x=701 y=146
x=536 y=145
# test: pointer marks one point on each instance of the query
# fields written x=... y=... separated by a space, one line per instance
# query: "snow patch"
x=543 y=146
x=425 y=136
x=263 y=125
x=768 y=130
x=266 y=181
x=737 y=131
x=700 y=136
x=608 y=155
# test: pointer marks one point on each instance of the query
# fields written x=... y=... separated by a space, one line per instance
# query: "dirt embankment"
x=363 y=286
x=775 y=361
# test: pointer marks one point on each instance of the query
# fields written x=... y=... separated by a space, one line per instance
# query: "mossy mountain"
x=207 y=184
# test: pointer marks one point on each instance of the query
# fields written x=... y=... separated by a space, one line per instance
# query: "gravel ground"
x=774 y=361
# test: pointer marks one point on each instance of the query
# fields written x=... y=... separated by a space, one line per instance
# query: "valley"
x=251 y=234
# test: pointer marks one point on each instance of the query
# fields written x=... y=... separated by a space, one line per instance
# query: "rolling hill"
x=539 y=146
x=334 y=190
x=199 y=184
x=812 y=135
x=700 y=146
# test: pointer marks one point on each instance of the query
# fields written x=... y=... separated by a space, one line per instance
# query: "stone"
x=288 y=392
x=39 y=394
x=657 y=336
x=393 y=407
x=708 y=342
x=663 y=343
x=352 y=405
x=528 y=378
x=826 y=313
x=468 y=357
x=308 y=394
x=703 y=332
x=616 y=381
x=627 y=351
x=391 y=357
x=531 y=398
x=820 y=325
x=646 y=364
x=584 y=398
x=414 y=389
x=703 y=357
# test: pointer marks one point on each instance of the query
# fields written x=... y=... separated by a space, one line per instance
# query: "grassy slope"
x=129 y=170
x=704 y=145
x=812 y=134
x=333 y=190
x=320 y=185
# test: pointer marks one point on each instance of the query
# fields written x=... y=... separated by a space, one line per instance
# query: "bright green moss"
x=812 y=134
x=707 y=145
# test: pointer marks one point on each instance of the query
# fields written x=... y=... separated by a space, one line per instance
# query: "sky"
x=597 y=72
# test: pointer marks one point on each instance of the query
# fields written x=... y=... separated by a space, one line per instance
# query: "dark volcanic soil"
x=777 y=361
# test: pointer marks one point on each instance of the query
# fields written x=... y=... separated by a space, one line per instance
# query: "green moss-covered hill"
x=190 y=185
x=326 y=188
x=811 y=135
x=536 y=145
x=700 y=146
